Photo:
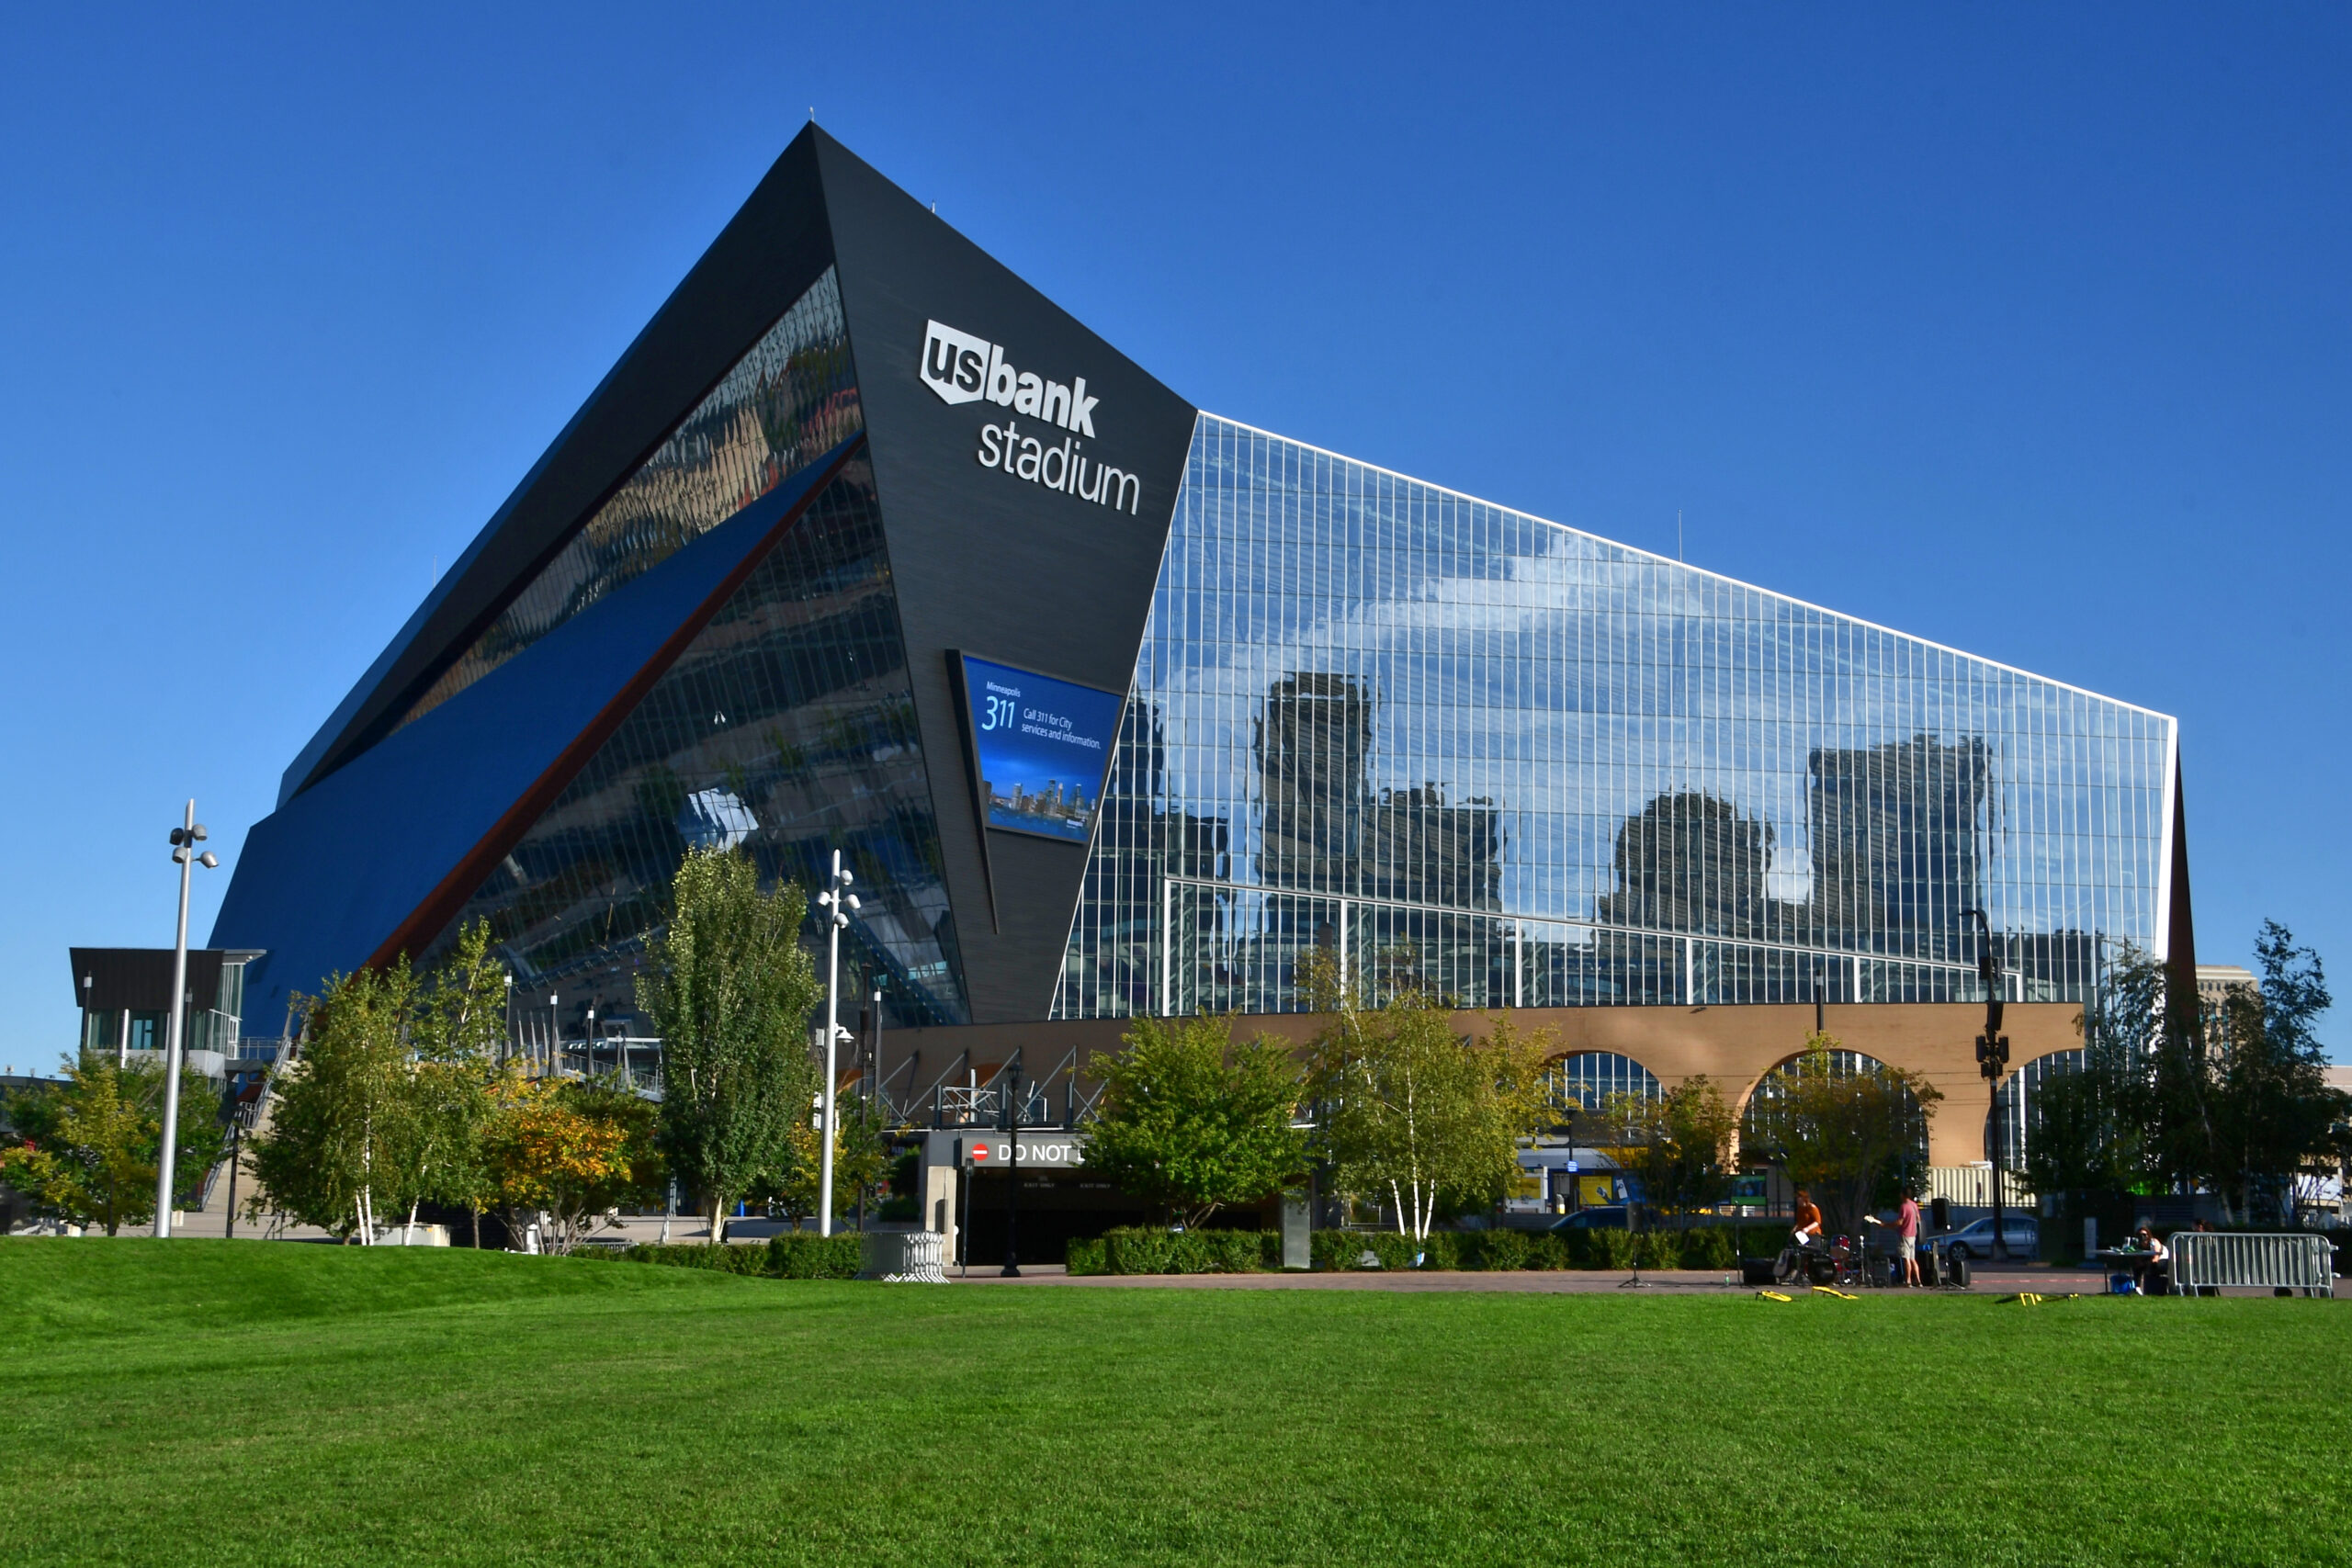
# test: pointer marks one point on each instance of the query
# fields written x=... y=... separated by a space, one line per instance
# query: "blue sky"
x=2024 y=329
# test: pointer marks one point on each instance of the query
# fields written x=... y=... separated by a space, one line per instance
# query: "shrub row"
x=792 y=1256
x=1708 y=1246
x=1144 y=1251
x=1141 y=1250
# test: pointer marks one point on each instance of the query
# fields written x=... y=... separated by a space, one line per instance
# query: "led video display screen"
x=1041 y=747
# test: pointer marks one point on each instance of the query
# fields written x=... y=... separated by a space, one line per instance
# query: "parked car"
x=1974 y=1241
x=1607 y=1217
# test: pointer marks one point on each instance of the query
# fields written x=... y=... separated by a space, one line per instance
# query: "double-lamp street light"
x=838 y=901
x=184 y=841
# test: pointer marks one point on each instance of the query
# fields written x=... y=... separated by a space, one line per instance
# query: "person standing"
x=1906 y=1237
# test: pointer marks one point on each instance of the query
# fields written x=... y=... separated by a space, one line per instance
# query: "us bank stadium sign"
x=962 y=369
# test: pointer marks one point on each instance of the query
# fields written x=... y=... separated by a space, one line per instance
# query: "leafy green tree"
x=86 y=1150
x=2160 y=1103
x=1410 y=1112
x=1845 y=1136
x=1190 y=1122
x=862 y=1155
x=730 y=991
x=342 y=1133
x=2085 y=1135
x=2271 y=1106
x=459 y=1037
x=1680 y=1144
x=571 y=1151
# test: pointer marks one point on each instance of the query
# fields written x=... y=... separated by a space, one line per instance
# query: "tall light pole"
x=184 y=841
x=838 y=901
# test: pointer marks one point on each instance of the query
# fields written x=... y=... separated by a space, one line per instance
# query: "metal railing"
x=2291 y=1261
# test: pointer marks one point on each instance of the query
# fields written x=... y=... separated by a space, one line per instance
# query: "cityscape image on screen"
x=1041 y=748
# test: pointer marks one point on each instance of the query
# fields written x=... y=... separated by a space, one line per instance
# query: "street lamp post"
x=184 y=841
x=838 y=901
x=1013 y=1178
x=1992 y=1056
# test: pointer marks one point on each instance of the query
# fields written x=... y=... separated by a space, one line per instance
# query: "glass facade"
x=786 y=729
x=1585 y=1079
x=791 y=399
x=1377 y=716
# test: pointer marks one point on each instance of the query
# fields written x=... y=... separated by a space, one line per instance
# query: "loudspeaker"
x=1931 y=1272
x=1959 y=1272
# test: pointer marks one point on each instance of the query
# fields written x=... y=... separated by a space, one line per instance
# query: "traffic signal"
x=1992 y=1053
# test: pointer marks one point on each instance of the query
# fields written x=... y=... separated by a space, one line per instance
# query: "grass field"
x=193 y=1403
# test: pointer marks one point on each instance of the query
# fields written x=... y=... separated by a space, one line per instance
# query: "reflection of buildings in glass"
x=1323 y=828
x=1690 y=863
x=1138 y=845
x=1808 y=797
x=786 y=730
x=1313 y=754
x=1898 y=844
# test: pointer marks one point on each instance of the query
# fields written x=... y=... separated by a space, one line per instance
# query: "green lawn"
x=252 y=1403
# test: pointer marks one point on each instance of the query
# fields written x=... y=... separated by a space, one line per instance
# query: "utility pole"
x=1011 y=1079
x=184 y=841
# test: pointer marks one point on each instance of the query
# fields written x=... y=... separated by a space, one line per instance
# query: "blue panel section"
x=324 y=879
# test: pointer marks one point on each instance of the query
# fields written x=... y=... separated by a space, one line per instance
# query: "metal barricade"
x=2293 y=1261
x=906 y=1257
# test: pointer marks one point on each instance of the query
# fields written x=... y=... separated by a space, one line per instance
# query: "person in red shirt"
x=1906 y=1237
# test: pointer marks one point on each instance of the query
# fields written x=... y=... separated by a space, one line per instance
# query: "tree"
x=2272 y=1109
x=1847 y=1136
x=2157 y=1103
x=861 y=1159
x=1680 y=1144
x=87 y=1148
x=2085 y=1132
x=459 y=1036
x=729 y=992
x=1411 y=1113
x=570 y=1150
x=1190 y=1122
x=341 y=1136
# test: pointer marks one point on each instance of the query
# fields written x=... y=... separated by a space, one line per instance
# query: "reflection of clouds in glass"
x=715 y=820
x=1571 y=683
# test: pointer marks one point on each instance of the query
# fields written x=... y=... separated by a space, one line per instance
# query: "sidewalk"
x=2047 y=1282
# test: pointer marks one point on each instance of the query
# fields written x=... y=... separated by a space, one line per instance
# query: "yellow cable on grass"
x=1772 y=1296
x=1829 y=1291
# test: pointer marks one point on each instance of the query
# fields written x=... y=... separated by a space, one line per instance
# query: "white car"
x=1974 y=1241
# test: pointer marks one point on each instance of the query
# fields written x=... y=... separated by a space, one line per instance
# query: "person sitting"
x=2151 y=1262
x=1808 y=1228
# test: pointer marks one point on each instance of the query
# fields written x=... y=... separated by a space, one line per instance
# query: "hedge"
x=793 y=1256
x=1701 y=1247
x=1140 y=1250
